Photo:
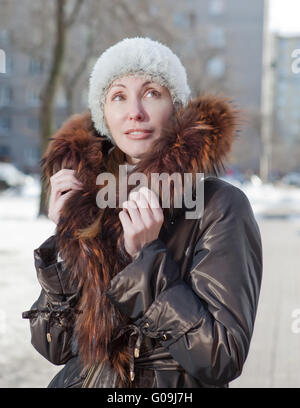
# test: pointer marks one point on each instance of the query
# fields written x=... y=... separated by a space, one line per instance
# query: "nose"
x=136 y=116
x=136 y=111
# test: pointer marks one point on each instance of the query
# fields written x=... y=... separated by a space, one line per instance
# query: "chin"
x=135 y=149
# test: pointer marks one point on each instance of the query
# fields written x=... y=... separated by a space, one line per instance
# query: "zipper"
x=91 y=371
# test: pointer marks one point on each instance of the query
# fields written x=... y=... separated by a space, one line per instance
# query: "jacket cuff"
x=46 y=254
x=167 y=319
x=52 y=276
x=135 y=288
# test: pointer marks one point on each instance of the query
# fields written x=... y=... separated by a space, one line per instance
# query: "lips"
x=137 y=134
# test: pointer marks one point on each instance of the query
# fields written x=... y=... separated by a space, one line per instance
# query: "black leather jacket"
x=191 y=294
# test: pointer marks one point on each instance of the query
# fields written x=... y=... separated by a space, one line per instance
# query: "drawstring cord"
x=134 y=345
x=57 y=315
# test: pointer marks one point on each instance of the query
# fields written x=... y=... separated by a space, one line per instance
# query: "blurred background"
x=249 y=51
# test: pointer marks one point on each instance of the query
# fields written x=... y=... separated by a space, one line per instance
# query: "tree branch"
x=69 y=21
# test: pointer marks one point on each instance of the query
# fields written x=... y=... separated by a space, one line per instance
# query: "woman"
x=139 y=294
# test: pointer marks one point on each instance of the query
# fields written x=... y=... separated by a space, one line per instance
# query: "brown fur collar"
x=197 y=139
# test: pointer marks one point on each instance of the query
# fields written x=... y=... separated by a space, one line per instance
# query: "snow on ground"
x=270 y=200
x=267 y=199
x=22 y=232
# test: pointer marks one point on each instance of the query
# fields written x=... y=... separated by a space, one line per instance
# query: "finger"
x=150 y=196
x=64 y=176
x=61 y=172
x=69 y=181
x=133 y=211
x=126 y=222
x=153 y=203
x=145 y=210
x=135 y=196
x=63 y=192
x=64 y=185
x=67 y=185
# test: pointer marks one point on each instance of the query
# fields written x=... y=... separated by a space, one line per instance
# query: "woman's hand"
x=141 y=218
x=63 y=183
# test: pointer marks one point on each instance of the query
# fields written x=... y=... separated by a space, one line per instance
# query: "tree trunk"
x=48 y=92
x=70 y=100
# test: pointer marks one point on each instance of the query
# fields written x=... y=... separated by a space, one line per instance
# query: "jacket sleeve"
x=52 y=315
x=205 y=321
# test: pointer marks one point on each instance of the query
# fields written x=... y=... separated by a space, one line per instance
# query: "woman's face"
x=135 y=103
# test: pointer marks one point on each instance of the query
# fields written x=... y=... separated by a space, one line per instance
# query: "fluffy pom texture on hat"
x=135 y=56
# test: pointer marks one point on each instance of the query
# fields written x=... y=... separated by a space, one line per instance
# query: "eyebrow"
x=145 y=83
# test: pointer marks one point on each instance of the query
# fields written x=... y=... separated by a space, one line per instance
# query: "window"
x=5 y=123
x=216 y=37
x=4 y=151
x=216 y=67
x=33 y=97
x=9 y=64
x=2 y=62
x=5 y=95
x=6 y=63
x=4 y=37
x=33 y=123
x=216 y=7
x=35 y=67
x=32 y=155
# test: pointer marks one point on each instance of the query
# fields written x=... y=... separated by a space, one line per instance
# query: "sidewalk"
x=274 y=356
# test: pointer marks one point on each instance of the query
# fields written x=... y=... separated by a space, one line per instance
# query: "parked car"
x=233 y=176
x=291 y=179
x=10 y=176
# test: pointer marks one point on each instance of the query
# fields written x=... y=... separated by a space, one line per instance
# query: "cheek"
x=163 y=114
x=112 y=118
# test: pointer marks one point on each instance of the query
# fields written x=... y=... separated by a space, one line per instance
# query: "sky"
x=284 y=16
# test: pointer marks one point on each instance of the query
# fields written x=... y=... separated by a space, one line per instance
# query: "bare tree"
x=47 y=32
x=97 y=30
x=63 y=24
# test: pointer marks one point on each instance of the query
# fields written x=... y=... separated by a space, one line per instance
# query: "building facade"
x=285 y=155
x=220 y=43
x=228 y=36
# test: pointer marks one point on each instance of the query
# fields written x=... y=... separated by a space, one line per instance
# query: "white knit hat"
x=141 y=56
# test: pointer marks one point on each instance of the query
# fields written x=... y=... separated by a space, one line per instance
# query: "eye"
x=114 y=97
x=156 y=93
